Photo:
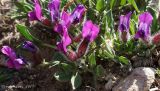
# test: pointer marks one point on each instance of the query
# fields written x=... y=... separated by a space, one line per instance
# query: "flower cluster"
x=13 y=60
x=145 y=20
x=62 y=22
x=28 y=45
x=74 y=41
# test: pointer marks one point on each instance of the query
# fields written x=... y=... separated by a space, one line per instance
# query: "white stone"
x=139 y=80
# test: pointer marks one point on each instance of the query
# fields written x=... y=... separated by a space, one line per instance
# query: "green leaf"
x=155 y=14
x=109 y=52
x=76 y=81
x=25 y=32
x=59 y=56
x=18 y=16
x=81 y=1
x=108 y=55
x=92 y=60
x=132 y=27
x=123 y=60
x=4 y=77
x=67 y=67
x=91 y=14
x=24 y=7
x=63 y=3
x=110 y=20
x=123 y=2
x=112 y=3
x=54 y=63
x=62 y=76
x=100 y=5
x=134 y=5
x=99 y=70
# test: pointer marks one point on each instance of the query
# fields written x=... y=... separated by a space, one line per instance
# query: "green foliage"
x=100 y=5
x=99 y=70
x=25 y=32
x=158 y=72
x=108 y=45
x=123 y=60
x=92 y=60
x=112 y=3
x=62 y=76
x=123 y=2
x=59 y=56
x=23 y=6
x=76 y=81
x=134 y=4
x=5 y=74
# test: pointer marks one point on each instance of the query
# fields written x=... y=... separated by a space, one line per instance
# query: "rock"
x=109 y=85
x=111 y=79
x=139 y=80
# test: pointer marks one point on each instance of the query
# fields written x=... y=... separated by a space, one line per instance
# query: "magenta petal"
x=61 y=47
x=65 y=19
x=38 y=11
x=90 y=31
x=28 y=45
x=77 y=14
x=124 y=22
x=123 y=27
x=146 y=17
x=36 y=14
x=10 y=64
x=54 y=7
x=9 y=52
x=59 y=29
x=86 y=28
x=32 y=16
x=95 y=32
x=18 y=63
x=145 y=20
x=66 y=40
x=72 y=55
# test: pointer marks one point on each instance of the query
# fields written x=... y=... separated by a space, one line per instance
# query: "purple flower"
x=72 y=55
x=90 y=31
x=156 y=38
x=28 y=45
x=54 y=7
x=36 y=14
x=83 y=48
x=65 y=41
x=145 y=20
x=59 y=28
x=13 y=61
x=124 y=27
x=77 y=14
x=63 y=24
x=65 y=19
